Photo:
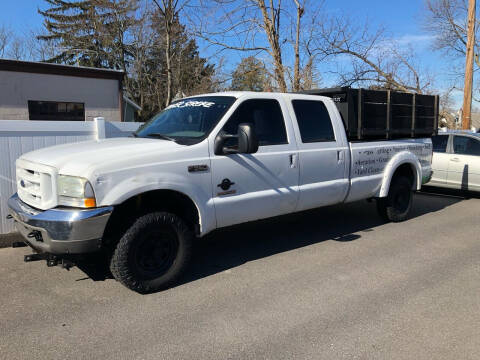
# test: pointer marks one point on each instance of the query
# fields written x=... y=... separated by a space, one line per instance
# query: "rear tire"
x=396 y=206
x=153 y=253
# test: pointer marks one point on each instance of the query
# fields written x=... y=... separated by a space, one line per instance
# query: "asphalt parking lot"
x=334 y=283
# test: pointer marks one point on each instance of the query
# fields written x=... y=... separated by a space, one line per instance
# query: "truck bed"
x=369 y=160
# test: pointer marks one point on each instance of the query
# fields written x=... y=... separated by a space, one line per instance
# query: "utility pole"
x=467 y=92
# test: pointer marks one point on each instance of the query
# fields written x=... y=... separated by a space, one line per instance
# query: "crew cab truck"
x=204 y=163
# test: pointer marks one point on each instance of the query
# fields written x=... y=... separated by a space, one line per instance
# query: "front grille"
x=34 y=184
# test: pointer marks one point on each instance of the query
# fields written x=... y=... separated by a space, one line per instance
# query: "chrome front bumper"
x=60 y=231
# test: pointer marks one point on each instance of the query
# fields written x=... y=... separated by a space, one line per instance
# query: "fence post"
x=100 y=127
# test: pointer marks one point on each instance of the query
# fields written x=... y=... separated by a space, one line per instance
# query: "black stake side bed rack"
x=383 y=114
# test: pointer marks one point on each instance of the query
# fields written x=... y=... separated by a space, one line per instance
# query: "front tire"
x=398 y=203
x=153 y=253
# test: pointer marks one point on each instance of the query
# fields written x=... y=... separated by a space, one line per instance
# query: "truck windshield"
x=187 y=121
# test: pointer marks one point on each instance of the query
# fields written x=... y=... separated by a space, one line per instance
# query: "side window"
x=267 y=118
x=53 y=110
x=464 y=145
x=313 y=121
x=440 y=143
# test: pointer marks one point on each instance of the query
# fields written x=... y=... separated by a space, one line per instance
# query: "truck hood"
x=83 y=158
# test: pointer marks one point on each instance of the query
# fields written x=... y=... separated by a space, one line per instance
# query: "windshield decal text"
x=183 y=104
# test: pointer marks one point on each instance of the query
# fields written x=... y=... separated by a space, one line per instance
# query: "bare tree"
x=5 y=35
x=271 y=25
x=376 y=60
x=296 y=72
x=169 y=9
x=305 y=45
x=24 y=46
x=446 y=20
x=259 y=27
x=17 y=49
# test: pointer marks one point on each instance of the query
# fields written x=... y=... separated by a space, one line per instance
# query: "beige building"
x=476 y=121
x=43 y=91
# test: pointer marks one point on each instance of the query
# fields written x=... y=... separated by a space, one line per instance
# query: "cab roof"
x=238 y=94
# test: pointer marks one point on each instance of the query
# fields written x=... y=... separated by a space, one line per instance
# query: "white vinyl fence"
x=20 y=136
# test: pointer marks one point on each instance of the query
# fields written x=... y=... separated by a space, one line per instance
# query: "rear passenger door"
x=323 y=155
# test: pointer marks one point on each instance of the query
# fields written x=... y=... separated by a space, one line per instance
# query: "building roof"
x=129 y=101
x=58 y=69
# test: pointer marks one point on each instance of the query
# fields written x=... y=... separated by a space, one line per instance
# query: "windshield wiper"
x=134 y=135
x=161 y=136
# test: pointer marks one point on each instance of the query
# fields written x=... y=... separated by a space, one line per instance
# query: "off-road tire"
x=138 y=252
x=398 y=203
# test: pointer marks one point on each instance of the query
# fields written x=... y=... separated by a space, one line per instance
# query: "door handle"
x=293 y=161
x=455 y=160
x=340 y=156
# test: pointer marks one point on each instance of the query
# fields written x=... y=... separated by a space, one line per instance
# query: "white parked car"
x=456 y=161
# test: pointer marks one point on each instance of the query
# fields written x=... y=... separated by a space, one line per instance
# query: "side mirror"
x=246 y=137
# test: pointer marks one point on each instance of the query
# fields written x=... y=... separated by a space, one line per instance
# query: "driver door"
x=248 y=187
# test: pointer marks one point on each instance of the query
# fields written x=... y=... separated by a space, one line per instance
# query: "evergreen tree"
x=118 y=18
x=250 y=75
x=89 y=32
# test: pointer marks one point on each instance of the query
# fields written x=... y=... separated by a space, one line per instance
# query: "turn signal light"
x=90 y=202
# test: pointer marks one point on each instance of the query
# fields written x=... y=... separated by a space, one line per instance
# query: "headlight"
x=75 y=191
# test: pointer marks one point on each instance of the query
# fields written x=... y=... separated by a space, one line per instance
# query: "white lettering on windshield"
x=182 y=104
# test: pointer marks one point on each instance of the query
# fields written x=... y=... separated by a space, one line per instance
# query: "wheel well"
x=171 y=201
x=408 y=171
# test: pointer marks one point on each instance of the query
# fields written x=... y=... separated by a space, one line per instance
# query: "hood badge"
x=198 y=168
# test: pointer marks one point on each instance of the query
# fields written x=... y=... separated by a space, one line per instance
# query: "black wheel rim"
x=401 y=200
x=155 y=253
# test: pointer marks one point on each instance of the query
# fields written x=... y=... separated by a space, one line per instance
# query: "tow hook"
x=18 y=244
x=35 y=234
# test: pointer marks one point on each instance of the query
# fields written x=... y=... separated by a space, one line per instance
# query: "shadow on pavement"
x=226 y=249
x=461 y=194
x=343 y=223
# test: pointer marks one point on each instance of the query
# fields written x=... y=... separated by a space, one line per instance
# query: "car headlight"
x=75 y=191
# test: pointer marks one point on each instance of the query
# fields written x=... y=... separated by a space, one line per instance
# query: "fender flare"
x=395 y=162
x=130 y=188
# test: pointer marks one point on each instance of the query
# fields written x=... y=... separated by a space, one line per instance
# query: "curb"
x=6 y=240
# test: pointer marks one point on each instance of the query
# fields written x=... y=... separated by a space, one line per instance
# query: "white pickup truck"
x=204 y=163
